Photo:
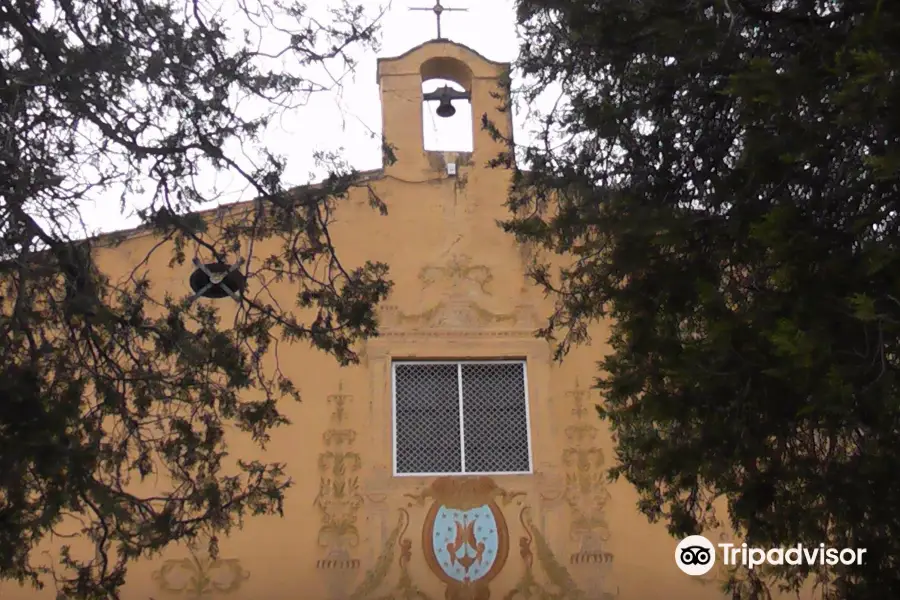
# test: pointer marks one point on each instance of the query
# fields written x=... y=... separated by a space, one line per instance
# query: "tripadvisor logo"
x=696 y=555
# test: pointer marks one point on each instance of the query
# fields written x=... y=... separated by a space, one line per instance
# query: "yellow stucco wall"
x=353 y=530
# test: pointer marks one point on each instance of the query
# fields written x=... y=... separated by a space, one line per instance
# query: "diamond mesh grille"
x=427 y=398
x=428 y=421
x=494 y=417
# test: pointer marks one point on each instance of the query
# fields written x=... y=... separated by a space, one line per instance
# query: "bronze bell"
x=445 y=108
x=446 y=95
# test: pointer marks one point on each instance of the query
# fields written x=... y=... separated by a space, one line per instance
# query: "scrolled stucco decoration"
x=453 y=314
x=551 y=581
x=581 y=489
x=458 y=273
x=198 y=575
x=376 y=577
x=459 y=315
x=339 y=499
x=378 y=573
x=584 y=462
x=462 y=288
x=379 y=487
x=550 y=486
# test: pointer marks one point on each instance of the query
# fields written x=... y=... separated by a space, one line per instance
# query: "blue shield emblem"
x=464 y=538
x=465 y=542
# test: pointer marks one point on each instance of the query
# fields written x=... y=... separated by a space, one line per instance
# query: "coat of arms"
x=465 y=537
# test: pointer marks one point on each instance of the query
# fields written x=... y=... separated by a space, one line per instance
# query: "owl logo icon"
x=695 y=555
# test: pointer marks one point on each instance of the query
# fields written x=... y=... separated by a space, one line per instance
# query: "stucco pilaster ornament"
x=339 y=499
x=198 y=575
x=585 y=492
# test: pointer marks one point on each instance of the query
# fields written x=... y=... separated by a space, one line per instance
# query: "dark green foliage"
x=727 y=183
x=106 y=382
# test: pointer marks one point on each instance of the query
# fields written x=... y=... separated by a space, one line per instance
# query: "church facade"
x=457 y=460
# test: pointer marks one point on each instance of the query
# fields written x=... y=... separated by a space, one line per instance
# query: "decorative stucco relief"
x=582 y=490
x=464 y=545
x=465 y=538
x=380 y=486
x=465 y=542
x=458 y=272
x=339 y=499
x=552 y=581
x=404 y=588
x=463 y=286
x=198 y=575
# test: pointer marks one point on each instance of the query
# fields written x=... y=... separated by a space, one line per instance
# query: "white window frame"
x=462 y=435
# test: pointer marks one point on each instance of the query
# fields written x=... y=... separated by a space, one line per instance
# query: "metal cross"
x=217 y=279
x=438 y=10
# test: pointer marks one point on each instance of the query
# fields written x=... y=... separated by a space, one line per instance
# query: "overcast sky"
x=348 y=118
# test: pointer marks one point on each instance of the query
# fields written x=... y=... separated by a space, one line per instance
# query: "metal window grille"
x=461 y=417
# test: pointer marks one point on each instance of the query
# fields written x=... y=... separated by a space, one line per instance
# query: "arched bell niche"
x=446 y=107
x=405 y=108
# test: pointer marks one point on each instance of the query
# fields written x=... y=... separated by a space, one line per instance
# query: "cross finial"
x=438 y=10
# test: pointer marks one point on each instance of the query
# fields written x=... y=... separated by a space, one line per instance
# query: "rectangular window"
x=461 y=417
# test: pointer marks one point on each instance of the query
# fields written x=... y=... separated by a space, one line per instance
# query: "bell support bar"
x=447 y=93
